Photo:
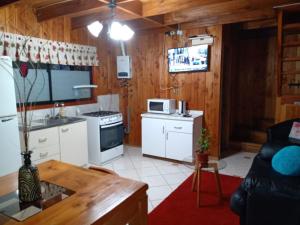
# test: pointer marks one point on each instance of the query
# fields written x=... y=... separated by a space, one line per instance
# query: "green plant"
x=203 y=141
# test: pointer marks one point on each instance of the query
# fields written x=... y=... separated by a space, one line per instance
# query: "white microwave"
x=164 y=106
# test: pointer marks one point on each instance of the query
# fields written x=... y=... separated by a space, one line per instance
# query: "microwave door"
x=157 y=106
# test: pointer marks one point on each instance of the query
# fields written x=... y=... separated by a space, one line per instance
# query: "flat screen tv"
x=189 y=59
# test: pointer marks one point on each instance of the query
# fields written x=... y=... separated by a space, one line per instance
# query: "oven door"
x=111 y=136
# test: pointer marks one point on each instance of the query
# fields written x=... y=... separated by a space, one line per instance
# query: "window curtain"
x=25 y=48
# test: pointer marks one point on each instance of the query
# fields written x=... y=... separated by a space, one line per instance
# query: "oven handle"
x=112 y=125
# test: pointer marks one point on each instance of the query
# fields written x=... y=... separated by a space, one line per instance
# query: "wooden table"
x=197 y=179
x=100 y=198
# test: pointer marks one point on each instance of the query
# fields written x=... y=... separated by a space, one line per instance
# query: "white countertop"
x=194 y=114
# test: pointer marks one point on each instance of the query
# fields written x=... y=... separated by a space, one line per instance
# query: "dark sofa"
x=266 y=197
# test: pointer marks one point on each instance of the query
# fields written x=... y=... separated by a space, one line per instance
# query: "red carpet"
x=180 y=208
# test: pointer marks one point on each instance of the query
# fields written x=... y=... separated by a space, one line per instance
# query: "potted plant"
x=203 y=146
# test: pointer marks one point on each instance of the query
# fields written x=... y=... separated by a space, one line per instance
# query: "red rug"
x=180 y=208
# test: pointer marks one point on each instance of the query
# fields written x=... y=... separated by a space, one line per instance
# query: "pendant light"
x=116 y=30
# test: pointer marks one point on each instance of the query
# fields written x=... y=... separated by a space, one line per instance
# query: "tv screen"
x=189 y=59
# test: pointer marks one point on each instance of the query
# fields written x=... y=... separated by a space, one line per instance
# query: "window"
x=54 y=83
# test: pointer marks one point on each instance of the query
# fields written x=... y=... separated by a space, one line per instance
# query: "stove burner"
x=100 y=113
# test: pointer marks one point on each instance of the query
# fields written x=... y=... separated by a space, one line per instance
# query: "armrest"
x=280 y=131
x=238 y=201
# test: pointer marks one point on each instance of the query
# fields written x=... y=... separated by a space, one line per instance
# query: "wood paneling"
x=151 y=78
x=20 y=18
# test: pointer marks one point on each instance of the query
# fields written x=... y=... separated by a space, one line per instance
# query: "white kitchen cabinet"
x=171 y=136
x=44 y=144
x=67 y=143
x=179 y=146
x=153 y=137
x=73 y=143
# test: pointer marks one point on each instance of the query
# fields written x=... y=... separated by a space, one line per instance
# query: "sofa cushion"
x=268 y=150
x=287 y=161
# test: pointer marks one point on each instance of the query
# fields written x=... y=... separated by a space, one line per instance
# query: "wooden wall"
x=19 y=18
x=150 y=76
x=152 y=80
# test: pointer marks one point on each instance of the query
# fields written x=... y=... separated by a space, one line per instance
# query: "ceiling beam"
x=6 y=2
x=77 y=7
x=260 y=14
x=258 y=24
x=154 y=7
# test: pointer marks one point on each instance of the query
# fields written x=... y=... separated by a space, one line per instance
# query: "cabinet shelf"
x=291 y=44
x=291 y=59
x=290 y=72
x=291 y=26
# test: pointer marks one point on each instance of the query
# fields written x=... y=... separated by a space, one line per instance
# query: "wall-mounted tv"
x=189 y=59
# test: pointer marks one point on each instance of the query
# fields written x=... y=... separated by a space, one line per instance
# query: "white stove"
x=105 y=135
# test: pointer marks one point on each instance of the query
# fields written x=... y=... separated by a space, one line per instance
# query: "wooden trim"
x=292 y=26
x=290 y=72
x=291 y=59
x=290 y=99
x=6 y=2
x=291 y=44
x=279 y=52
x=73 y=103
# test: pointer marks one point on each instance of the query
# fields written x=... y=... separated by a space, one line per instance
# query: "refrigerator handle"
x=6 y=120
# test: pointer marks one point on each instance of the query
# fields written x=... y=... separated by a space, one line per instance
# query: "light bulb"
x=127 y=33
x=95 y=28
x=115 y=30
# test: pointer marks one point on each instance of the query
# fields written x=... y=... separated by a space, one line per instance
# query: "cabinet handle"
x=42 y=140
x=167 y=136
x=43 y=155
x=163 y=129
x=64 y=130
x=179 y=128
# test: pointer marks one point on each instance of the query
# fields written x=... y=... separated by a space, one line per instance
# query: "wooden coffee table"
x=197 y=179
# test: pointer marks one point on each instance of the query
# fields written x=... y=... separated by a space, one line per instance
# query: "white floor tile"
x=154 y=181
x=174 y=186
x=156 y=193
x=142 y=164
x=176 y=178
x=149 y=171
x=156 y=202
x=122 y=164
x=129 y=173
x=168 y=169
x=150 y=206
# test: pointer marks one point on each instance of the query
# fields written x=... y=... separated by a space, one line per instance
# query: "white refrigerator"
x=10 y=150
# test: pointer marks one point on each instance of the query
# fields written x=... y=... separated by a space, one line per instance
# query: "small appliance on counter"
x=182 y=107
x=163 y=106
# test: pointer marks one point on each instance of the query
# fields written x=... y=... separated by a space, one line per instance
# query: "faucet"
x=55 y=105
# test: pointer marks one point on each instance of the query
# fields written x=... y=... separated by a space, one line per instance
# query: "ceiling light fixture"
x=116 y=30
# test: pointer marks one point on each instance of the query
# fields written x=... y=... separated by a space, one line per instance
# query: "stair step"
x=264 y=124
x=258 y=137
x=245 y=146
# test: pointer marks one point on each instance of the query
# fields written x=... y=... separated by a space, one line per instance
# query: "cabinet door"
x=73 y=143
x=179 y=146
x=153 y=137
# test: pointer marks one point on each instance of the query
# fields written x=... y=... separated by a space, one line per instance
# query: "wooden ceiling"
x=148 y=14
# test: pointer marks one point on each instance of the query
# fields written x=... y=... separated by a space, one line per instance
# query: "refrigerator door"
x=7 y=88
x=10 y=151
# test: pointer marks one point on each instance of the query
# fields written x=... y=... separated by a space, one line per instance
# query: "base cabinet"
x=73 y=143
x=67 y=143
x=153 y=137
x=173 y=139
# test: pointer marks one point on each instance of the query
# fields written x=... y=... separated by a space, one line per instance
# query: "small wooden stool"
x=197 y=178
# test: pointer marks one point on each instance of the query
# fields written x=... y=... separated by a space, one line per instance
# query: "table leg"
x=141 y=216
x=217 y=176
x=198 y=185
x=195 y=179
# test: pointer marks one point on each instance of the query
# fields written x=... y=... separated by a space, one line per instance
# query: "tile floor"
x=163 y=177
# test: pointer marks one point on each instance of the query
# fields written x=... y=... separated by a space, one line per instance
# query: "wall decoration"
x=25 y=48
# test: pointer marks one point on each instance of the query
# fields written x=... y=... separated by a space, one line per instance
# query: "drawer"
x=43 y=138
x=179 y=126
x=53 y=157
x=41 y=153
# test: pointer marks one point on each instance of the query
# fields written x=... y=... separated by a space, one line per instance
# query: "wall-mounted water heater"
x=124 y=67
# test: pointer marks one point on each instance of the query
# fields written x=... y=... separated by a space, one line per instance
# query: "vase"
x=29 y=181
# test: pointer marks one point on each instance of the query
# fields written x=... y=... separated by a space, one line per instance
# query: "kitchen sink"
x=53 y=122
